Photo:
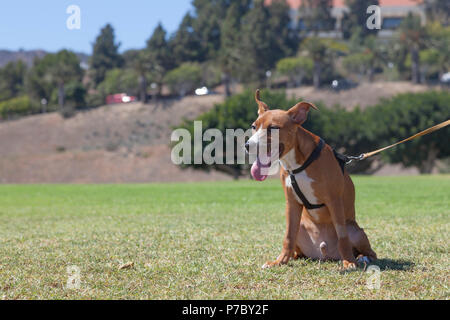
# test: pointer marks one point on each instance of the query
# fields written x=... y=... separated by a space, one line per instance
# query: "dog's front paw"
x=348 y=265
x=270 y=264
x=282 y=259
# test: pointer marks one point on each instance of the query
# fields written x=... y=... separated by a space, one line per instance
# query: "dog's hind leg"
x=298 y=253
x=360 y=242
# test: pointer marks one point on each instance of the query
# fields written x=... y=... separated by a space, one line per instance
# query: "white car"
x=201 y=91
x=446 y=78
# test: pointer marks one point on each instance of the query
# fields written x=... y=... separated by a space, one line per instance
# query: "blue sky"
x=41 y=24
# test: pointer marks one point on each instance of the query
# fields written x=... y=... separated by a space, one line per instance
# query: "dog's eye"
x=253 y=127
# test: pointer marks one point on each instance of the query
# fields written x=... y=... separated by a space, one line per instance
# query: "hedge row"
x=351 y=131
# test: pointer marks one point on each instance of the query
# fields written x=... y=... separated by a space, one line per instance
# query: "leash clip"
x=358 y=158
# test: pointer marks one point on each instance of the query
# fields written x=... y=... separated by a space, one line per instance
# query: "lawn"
x=209 y=240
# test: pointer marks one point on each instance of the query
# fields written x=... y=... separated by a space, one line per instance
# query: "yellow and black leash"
x=422 y=133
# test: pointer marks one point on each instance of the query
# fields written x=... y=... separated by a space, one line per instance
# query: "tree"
x=54 y=71
x=256 y=44
x=320 y=51
x=316 y=15
x=295 y=68
x=185 y=44
x=119 y=81
x=12 y=80
x=159 y=55
x=138 y=63
x=412 y=35
x=438 y=11
x=142 y=66
x=430 y=64
x=260 y=46
x=36 y=81
x=355 y=19
x=286 y=39
x=230 y=48
x=185 y=78
x=438 y=42
x=366 y=58
x=65 y=68
x=208 y=17
x=105 y=55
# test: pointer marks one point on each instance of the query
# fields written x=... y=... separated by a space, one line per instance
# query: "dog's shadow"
x=390 y=264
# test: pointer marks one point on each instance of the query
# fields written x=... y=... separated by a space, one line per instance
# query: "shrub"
x=184 y=79
x=357 y=63
x=17 y=107
x=295 y=68
x=238 y=111
x=406 y=114
x=349 y=132
x=118 y=81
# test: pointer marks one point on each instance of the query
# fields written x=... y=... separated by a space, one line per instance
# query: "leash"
x=363 y=156
x=342 y=160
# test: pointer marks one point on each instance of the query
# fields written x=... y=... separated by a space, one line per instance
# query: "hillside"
x=117 y=143
x=130 y=142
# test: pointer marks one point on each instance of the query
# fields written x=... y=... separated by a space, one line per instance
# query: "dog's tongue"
x=256 y=170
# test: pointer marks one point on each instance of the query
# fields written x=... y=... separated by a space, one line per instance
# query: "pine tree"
x=316 y=15
x=186 y=45
x=105 y=55
x=12 y=79
x=230 y=53
x=159 y=55
x=285 y=38
x=209 y=15
x=265 y=38
x=257 y=44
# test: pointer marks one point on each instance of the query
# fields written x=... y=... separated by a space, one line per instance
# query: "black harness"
x=313 y=156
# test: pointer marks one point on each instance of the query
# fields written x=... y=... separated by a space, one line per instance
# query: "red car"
x=119 y=98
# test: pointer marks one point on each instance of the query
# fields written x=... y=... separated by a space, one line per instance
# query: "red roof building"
x=392 y=13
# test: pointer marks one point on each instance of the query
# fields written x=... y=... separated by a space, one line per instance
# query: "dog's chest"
x=305 y=184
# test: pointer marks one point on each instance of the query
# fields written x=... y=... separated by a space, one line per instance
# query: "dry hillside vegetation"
x=117 y=143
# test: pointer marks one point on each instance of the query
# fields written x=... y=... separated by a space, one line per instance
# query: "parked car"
x=203 y=91
x=119 y=98
x=445 y=78
x=342 y=84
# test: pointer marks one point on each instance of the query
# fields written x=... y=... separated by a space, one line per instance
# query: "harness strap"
x=302 y=197
x=313 y=156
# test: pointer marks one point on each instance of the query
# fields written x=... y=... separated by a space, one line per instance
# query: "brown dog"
x=328 y=229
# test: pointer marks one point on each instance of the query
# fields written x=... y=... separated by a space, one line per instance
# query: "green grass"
x=209 y=240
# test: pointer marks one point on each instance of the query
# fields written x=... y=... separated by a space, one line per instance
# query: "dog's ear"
x=262 y=107
x=299 y=112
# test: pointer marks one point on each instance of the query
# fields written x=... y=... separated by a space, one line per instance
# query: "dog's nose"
x=247 y=146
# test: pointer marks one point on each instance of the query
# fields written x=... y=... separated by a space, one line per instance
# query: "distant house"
x=392 y=14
